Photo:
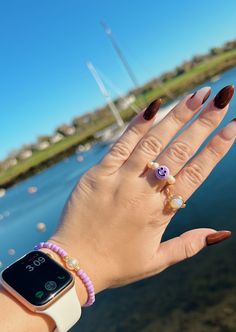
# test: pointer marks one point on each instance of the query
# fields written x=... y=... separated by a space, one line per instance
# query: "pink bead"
x=53 y=247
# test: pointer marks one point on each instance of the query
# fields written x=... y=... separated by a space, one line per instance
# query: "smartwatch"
x=44 y=286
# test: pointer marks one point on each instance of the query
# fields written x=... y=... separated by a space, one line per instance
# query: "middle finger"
x=157 y=138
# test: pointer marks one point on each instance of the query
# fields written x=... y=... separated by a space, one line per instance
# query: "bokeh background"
x=55 y=124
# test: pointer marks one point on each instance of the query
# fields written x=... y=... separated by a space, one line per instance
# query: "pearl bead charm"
x=72 y=263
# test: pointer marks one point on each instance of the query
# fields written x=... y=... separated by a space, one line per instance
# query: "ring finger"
x=196 y=171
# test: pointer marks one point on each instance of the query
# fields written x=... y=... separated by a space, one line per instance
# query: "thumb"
x=189 y=244
x=179 y=248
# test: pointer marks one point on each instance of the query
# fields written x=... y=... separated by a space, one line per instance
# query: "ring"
x=175 y=202
x=162 y=172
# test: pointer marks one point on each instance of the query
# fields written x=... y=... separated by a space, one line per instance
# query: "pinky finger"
x=195 y=173
x=122 y=149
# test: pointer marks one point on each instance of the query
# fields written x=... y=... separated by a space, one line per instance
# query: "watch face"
x=37 y=277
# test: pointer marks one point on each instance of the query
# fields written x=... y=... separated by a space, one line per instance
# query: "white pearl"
x=171 y=179
x=152 y=164
x=155 y=165
x=71 y=263
x=176 y=202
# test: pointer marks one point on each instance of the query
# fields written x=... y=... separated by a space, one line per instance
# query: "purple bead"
x=162 y=172
x=54 y=247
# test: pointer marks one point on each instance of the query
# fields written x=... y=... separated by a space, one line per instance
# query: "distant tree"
x=179 y=70
x=215 y=50
x=167 y=76
x=229 y=45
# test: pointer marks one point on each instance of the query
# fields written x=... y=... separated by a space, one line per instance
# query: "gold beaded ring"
x=162 y=172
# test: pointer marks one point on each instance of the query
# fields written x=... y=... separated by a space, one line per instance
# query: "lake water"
x=196 y=295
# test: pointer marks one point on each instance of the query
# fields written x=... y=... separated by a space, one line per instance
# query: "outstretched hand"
x=115 y=218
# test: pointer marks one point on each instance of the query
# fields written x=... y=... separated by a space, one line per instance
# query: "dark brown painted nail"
x=152 y=109
x=224 y=96
x=217 y=237
x=193 y=95
x=206 y=96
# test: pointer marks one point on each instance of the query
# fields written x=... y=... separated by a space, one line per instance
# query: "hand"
x=115 y=218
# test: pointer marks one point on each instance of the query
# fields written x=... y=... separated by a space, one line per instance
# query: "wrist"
x=85 y=288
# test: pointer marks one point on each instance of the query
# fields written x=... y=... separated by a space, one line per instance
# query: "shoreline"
x=42 y=160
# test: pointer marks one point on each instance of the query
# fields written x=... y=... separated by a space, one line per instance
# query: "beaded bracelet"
x=72 y=264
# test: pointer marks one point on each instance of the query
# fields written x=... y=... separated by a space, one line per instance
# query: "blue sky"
x=44 y=46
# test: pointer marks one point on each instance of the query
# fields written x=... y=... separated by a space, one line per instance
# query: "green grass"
x=177 y=85
x=196 y=75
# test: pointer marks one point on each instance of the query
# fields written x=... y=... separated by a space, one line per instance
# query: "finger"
x=188 y=244
x=195 y=173
x=158 y=137
x=122 y=149
x=186 y=144
x=178 y=249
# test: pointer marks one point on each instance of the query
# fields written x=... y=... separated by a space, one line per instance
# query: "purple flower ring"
x=162 y=172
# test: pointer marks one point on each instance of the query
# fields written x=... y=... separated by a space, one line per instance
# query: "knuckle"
x=177 y=117
x=135 y=131
x=193 y=173
x=215 y=152
x=207 y=121
x=151 y=145
x=87 y=183
x=190 y=250
x=120 y=150
x=179 y=152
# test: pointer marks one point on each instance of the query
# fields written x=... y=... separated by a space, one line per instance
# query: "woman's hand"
x=115 y=218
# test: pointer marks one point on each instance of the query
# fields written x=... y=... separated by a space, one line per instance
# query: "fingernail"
x=193 y=95
x=198 y=98
x=224 y=96
x=229 y=131
x=217 y=237
x=206 y=96
x=152 y=109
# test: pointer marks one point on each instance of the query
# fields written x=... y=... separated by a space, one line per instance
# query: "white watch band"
x=66 y=311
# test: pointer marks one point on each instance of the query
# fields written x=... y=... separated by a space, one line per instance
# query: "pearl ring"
x=174 y=202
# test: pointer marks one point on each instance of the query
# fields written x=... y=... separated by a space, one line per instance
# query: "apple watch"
x=44 y=286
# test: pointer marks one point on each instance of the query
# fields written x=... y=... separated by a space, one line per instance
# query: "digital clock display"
x=37 y=277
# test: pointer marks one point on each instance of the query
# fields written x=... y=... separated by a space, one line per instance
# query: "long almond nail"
x=152 y=109
x=198 y=98
x=224 y=96
x=229 y=131
x=217 y=237
x=206 y=96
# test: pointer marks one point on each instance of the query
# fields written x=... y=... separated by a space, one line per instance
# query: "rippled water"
x=196 y=295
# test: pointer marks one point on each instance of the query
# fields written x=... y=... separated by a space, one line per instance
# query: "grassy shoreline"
x=176 y=86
